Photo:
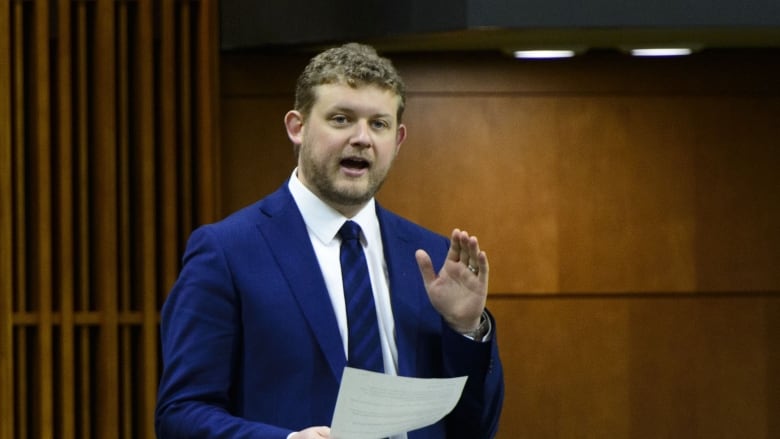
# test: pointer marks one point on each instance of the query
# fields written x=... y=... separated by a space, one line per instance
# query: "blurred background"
x=630 y=205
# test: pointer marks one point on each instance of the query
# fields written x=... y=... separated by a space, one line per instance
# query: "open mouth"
x=355 y=163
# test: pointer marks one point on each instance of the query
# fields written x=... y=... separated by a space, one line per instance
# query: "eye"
x=380 y=124
x=339 y=119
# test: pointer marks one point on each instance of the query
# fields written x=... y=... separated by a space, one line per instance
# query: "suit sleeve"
x=201 y=335
x=477 y=414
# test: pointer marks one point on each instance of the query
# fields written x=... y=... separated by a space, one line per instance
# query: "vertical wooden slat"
x=125 y=255
x=147 y=208
x=82 y=213
x=66 y=253
x=85 y=387
x=19 y=174
x=6 y=228
x=169 y=144
x=22 y=389
x=208 y=110
x=42 y=211
x=123 y=159
x=185 y=121
x=168 y=203
x=19 y=220
x=126 y=382
x=104 y=214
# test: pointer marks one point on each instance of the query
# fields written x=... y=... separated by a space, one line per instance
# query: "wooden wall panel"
x=259 y=153
x=601 y=193
x=606 y=192
x=624 y=366
x=629 y=208
x=601 y=174
x=98 y=194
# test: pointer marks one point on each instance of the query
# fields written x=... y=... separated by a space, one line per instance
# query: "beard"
x=323 y=177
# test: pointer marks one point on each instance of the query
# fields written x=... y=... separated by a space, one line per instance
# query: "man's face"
x=347 y=143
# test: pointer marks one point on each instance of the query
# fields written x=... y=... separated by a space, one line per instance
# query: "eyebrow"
x=351 y=110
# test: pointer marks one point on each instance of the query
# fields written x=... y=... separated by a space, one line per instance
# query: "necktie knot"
x=350 y=230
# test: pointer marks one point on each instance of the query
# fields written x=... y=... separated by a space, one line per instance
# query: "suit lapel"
x=404 y=278
x=296 y=258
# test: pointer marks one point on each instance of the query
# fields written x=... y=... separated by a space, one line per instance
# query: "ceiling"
x=581 y=39
x=505 y=25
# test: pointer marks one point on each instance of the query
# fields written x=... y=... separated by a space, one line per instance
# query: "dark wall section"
x=252 y=24
x=248 y=24
x=620 y=13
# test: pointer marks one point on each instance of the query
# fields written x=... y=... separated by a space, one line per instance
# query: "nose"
x=361 y=135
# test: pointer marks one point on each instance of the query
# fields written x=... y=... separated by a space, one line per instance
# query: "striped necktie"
x=364 y=350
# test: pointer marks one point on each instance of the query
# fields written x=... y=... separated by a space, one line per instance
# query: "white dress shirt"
x=323 y=224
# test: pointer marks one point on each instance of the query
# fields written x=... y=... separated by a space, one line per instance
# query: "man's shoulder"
x=252 y=214
x=407 y=228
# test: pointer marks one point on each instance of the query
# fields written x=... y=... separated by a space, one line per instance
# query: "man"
x=257 y=330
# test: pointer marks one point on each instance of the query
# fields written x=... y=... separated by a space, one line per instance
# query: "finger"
x=454 y=253
x=473 y=247
x=484 y=266
x=463 y=239
x=426 y=266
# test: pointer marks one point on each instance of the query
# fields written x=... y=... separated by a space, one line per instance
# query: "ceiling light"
x=543 y=54
x=662 y=51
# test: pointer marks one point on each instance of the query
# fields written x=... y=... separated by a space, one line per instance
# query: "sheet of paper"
x=375 y=405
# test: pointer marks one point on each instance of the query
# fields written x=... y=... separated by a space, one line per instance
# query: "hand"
x=459 y=291
x=312 y=433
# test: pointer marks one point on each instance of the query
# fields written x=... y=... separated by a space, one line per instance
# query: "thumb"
x=426 y=266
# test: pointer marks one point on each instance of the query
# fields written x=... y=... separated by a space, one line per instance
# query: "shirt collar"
x=324 y=221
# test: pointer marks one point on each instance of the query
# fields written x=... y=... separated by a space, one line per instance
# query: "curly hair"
x=352 y=64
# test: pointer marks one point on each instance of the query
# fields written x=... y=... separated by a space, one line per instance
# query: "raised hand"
x=459 y=291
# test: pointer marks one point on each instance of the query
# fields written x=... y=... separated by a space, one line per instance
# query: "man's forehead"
x=344 y=87
x=368 y=96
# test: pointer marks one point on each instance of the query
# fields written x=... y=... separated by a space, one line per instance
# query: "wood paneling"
x=98 y=194
x=601 y=174
x=629 y=209
x=653 y=366
x=617 y=187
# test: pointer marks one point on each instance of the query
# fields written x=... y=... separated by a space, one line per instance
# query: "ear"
x=400 y=136
x=293 y=122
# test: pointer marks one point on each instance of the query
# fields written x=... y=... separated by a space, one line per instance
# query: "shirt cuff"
x=483 y=332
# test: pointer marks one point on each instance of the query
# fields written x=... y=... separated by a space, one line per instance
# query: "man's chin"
x=352 y=194
x=353 y=199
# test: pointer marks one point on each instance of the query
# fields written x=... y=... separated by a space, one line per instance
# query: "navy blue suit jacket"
x=250 y=343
